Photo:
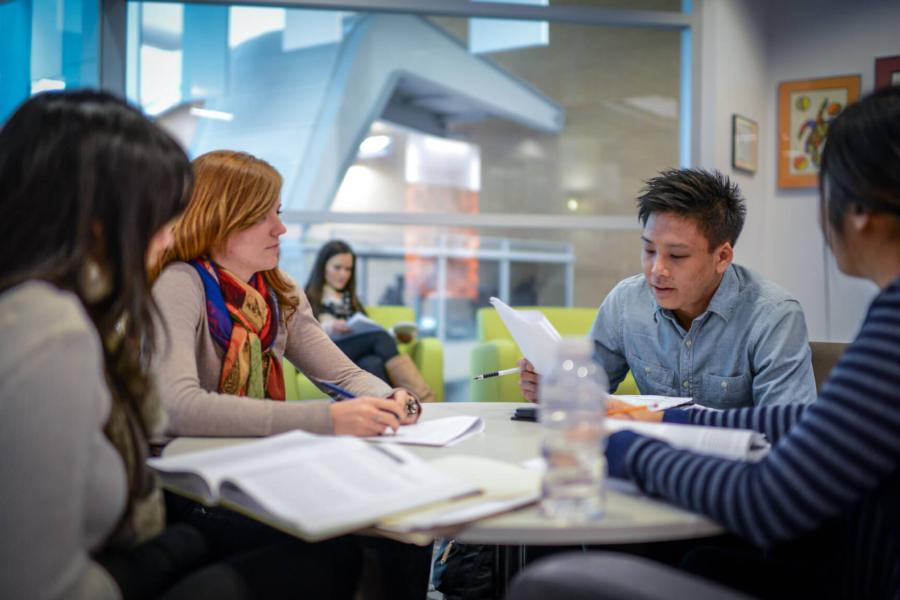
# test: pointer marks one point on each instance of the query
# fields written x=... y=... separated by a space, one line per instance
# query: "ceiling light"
x=211 y=114
x=374 y=146
x=43 y=85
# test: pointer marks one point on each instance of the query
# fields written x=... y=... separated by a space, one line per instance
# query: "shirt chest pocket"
x=726 y=392
x=652 y=378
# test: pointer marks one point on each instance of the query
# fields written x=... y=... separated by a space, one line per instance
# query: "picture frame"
x=887 y=72
x=805 y=108
x=744 y=143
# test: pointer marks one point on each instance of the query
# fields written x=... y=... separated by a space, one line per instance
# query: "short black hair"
x=861 y=160
x=708 y=197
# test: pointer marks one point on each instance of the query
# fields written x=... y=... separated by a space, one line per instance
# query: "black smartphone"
x=525 y=413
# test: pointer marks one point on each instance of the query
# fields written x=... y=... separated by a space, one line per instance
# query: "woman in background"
x=88 y=186
x=331 y=289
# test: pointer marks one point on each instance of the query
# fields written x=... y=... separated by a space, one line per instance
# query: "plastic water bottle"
x=573 y=408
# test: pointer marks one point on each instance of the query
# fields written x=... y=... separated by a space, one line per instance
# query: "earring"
x=94 y=283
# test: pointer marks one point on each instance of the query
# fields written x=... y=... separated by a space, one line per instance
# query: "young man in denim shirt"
x=695 y=324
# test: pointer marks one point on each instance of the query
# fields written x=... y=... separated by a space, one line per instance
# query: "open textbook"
x=360 y=323
x=736 y=444
x=535 y=335
x=316 y=486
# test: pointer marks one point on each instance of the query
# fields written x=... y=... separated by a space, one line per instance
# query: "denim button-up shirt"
x=749 y=348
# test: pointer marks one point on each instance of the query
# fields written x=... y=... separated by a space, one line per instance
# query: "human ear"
x=860 y=219
x=724 y=256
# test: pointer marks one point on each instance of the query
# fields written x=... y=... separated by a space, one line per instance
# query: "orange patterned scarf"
x=243 y=319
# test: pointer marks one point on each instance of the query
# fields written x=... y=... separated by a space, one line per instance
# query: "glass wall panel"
x=373 y=117
x=47 y=45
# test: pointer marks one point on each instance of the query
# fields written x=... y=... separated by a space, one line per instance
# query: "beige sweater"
x=188 y=364
x=63 y=483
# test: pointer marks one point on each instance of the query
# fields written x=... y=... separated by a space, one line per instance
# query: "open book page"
x=736 y=444
x=653 y=403
x=201 y=473
x=438 y=432
x=323 y=486
x=360 y=323
x=503 y=486
x=534 y=334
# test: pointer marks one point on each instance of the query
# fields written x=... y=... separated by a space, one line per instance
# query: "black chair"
x=611 y=576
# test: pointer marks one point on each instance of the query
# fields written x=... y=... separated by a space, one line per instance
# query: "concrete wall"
x=749 y=46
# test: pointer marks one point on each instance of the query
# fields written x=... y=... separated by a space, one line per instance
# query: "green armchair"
x=426 y=352
x=496 y=350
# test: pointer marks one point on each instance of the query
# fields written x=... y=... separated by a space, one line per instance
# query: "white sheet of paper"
x=736 y=444
x=653 y=403
x=535 y=335
x=439 y=432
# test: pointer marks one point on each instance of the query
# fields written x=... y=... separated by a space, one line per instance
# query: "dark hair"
x=707 y=197
x=316 y=282
x=85 y=177
x=861 y=160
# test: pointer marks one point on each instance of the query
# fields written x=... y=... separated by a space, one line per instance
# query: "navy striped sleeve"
x=774 y=420
x=839 y=449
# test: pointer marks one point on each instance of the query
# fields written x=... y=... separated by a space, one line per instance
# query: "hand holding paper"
x=534 y=334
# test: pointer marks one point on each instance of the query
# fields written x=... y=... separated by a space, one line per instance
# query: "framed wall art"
x=805 y=109
x=744 y=143
x=887 y=71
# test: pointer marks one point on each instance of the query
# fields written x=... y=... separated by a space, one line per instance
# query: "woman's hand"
x=613 y=405
x=339 y=326
x=528 y=380
x=366 y=416
x=408 y=403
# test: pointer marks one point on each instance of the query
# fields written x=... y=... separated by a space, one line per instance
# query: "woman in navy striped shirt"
x=824 y=505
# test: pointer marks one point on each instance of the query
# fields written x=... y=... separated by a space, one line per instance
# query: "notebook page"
x=438 y=432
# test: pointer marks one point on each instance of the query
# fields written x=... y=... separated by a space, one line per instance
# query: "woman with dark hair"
x=88 y=188
x=823 y=504
x=331 y=289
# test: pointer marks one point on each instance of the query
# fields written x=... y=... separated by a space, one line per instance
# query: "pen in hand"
x=337 y=390
x=496 y=373
x=342 y=394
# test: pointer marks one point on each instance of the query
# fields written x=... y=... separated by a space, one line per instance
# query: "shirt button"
x=688 y=343
x=724 y=385
x=685 y=384
x=646 y=369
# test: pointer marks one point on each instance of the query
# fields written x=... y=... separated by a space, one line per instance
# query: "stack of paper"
x=502 y=486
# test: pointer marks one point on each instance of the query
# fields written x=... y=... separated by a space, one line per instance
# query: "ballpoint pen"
x=337 y=390
x=411 y=404
x=496 y=373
